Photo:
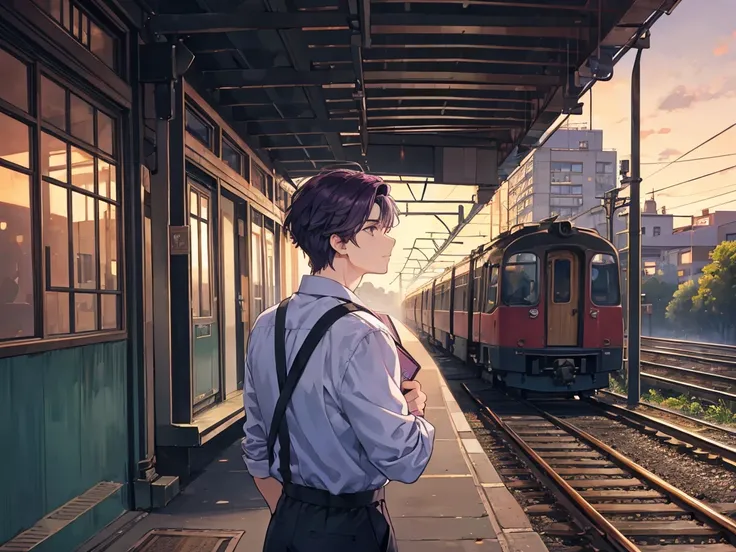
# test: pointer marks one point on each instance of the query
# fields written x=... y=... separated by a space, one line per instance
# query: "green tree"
x=716 y=296
x=680 y=310
x=658 y=294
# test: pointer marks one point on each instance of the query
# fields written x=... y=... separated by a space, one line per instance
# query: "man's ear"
x=338 y=245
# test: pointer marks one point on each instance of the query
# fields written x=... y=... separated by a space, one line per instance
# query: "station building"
x=135 y=253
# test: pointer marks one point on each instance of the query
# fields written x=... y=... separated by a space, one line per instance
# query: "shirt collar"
x=326 y=287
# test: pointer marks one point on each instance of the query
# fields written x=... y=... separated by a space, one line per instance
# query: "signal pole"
x=633 y=344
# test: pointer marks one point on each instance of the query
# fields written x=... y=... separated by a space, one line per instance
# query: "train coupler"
x=564 y=371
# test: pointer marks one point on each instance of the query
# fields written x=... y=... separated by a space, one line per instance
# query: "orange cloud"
x=648 y=132
x=720 y=50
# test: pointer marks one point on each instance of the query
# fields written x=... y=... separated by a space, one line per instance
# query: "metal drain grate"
x=188 y=540
x=60 y=518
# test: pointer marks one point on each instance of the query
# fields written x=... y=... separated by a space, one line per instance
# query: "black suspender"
x=288 y=383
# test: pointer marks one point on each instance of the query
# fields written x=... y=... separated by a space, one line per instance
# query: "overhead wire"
x=732 y=191
x=690 y=160
x=694 y=179
x=729 y=127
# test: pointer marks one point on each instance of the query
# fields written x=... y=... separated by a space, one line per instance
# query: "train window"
x=561 y=281
x=492 y=293
x=604 y=288
x=461 y=292
x=478 y=273
x=520 y=285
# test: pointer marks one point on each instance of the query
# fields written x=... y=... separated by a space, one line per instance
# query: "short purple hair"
x=336 y=202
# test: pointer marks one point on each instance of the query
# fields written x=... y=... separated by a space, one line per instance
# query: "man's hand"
x=270 y=489
x=415 y=398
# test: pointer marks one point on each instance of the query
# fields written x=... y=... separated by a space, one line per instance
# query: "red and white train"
x=539 y=309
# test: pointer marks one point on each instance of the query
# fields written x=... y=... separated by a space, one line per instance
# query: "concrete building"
x=670 y=250
x=565 y=178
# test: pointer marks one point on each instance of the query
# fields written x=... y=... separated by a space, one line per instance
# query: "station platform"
x=458 y=504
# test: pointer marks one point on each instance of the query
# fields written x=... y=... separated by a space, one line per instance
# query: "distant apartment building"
x=670 y=250
x=565 y=177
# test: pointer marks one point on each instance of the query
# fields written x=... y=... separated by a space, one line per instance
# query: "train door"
x=562 y=299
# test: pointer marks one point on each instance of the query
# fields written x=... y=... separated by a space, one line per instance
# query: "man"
x=349 y=424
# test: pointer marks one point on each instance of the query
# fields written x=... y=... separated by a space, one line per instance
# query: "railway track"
x=705 y=385
x=699 y=436
x=711 y=352
x=601 y=498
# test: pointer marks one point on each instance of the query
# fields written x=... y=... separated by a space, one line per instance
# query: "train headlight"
x=533 y=313
x=520 y=343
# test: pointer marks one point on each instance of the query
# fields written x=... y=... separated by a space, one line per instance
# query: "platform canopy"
x=397 y=85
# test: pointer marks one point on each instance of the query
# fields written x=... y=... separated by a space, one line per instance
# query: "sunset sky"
x=688 y=95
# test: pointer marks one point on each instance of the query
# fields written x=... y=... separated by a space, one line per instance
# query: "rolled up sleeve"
x=255 y=442
x=396 y=442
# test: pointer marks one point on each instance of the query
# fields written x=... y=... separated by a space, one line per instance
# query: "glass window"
x=231 y=156
x=16 y=269
x=563 y=166
x=657 y=231
x=256 y=251
x=53 y=103
x=477 y=276
x=105 y=132
x=492 y=293
x=102 y=44
x=561 y=281
x=15 y=146
x=520 y=285
x=583 y=145
x=14 y=76
x=79 y=231
x=198 y=127
x=259 y=179
x=604 y=288
x=83 y=240
x=269 y=187
x=604 y=168
x=200 y=253
x=566 y=190
x=77 y=23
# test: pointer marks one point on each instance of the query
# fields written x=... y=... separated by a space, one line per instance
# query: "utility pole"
x=612 y=203
x=633 y=344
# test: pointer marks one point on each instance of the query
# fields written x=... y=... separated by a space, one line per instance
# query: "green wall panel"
x=63 y=416
x=206 y=358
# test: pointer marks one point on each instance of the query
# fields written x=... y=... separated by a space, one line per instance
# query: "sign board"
x=179 y=240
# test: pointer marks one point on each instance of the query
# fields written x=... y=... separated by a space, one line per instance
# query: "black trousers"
x=298 y=526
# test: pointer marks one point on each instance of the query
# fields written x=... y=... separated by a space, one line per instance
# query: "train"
x=538 y=309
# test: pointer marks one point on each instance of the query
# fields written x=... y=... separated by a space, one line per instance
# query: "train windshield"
x=520 y=284
x=604 y=280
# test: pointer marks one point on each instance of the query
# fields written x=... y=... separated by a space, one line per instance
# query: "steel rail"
x=691 y=355
x=695 y=390
x=699 y=510
x=728 y=351
x=704 y=376
x=704 y=423
x=704 y=443
x=606 y=530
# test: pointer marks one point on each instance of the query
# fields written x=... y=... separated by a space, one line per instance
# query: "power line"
x=693 y=159
x=733 y=191
x=692 y=150
x=694 y=179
